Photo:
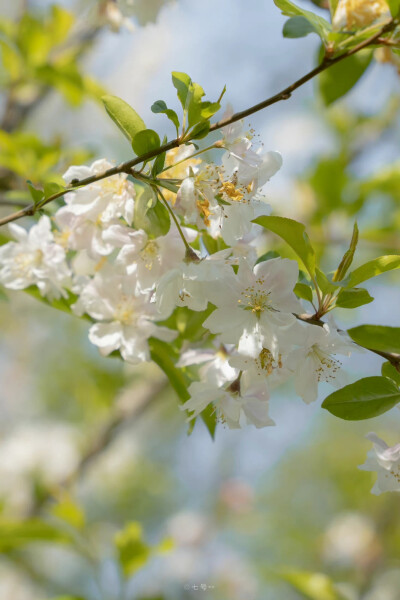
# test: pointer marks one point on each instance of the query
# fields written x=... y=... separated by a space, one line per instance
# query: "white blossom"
x=150 y=258
x=34 y=259
x=315 y=361
x=190 y=284
x=244 y=402
x=125 y=318
x=385 y=461
x=255 y=306
x=104 y=200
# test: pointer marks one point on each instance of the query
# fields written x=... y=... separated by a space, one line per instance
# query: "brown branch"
x=285 y=94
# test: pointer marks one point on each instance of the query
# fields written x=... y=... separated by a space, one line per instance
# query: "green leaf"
x=161 y=354
x=161 y=107
x=394 y=6
x=364 y=399
x=314 y=586
x=200 y=130
x=37 y=195
x=190 y=95
x=377 y=337
x=69 y=511
x=208 y=109
x=51 y=188
x=373 y=268
x=16 y=534
x=295 y=235
x=353 y=297
x=150 y=215
x=289 y=9
x=124 y=116
x=133 y=552
x=182 y=82
x=339 y=79
x=348 y=256
x=303 y=291
x=297 y=27
x=63 y=304
x=325 y=285
x=159 y=162
x=145 y=141
x=388 y=370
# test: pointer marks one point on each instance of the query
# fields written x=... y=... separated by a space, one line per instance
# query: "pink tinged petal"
x=107 y=336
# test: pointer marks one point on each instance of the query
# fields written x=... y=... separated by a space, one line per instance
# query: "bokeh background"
x=276 y=514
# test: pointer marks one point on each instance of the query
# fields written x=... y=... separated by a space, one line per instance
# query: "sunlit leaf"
x=339 y=79
x=373 y=268
x=364 y=399
x=294 y=234
x=377 y=337
x=124 y=116
x=353 y=297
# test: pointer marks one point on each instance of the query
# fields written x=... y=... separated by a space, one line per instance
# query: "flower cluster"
x=112 y=268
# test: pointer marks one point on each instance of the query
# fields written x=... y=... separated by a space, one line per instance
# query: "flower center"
x=149 y=254
x=256 y=299
x=28 y=260
x=327 y=365
x=125 y=311
x=114 y=185
x=266 y=361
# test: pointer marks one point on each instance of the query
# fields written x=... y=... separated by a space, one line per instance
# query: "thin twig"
x=127 y=166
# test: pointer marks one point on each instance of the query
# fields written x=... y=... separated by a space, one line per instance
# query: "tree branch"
x=285 y=94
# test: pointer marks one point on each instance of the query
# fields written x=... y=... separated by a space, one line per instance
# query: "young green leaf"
x=321 y=26
x=303 y=291
x=161 y=107
x=388 y=370
x=52 y=188
x=373 y=268
x=377 y=337
x=161 y=354
x=313 y=586
x=297 y=27
x=200 y=130
x=124 y=116
x=353 y=297
x=364 y=399
x=145 y=141
x=294 y=234
x=394 y=6
x=133 y=552
x=150 y=214
x=347 y=259
x=37 y=195
x=339 y=79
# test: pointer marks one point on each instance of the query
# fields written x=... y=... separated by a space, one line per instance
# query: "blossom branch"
x=392 y=357
x=127 y=166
